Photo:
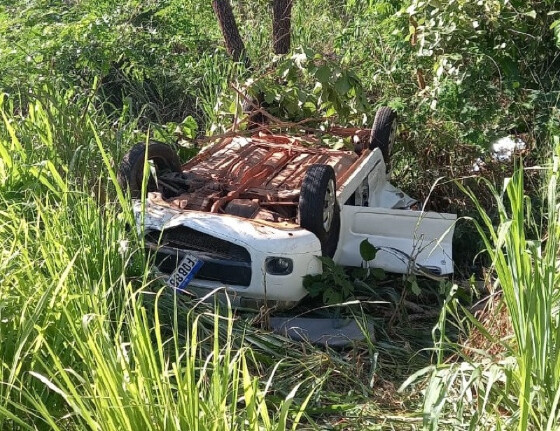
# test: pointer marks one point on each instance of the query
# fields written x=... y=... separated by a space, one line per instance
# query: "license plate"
x=185 y=272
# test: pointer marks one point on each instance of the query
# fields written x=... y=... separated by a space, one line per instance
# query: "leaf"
x=232 y=109
x=413 y=285
x=189 y=127
x=327 y=262
x=301 y=96
x=269 y=96
x=555 y=26
x=378 y=273
x=291 y=107
x=331 y=296
x=315 y=288
x=360 y=273
x=330 y=112
x=367 y=250
x=323 y=74
x=347 y=288
x=342 y=85
x=310 y=107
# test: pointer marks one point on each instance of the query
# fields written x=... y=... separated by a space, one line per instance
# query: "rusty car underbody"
x=255 y=178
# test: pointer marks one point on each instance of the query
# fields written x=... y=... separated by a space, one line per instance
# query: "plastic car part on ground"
x=321 y=331
x=257 y=210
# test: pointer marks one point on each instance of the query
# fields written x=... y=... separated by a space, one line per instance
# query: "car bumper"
x=242 y=248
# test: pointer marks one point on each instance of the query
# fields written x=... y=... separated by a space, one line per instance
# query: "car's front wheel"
x=318 y=208
x=131 y=169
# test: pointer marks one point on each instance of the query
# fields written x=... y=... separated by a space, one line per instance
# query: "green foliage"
x=154 y=58
x=82 y=81
x=185 y=130
x=333 y=284
x=555 y=26
x=367 y=251
x=467 y=49
x=146 y=54
x=520 y=389
x=303 y=87
x=411 y=283
x=308 y=85
x=90 y=340
x=336 y=284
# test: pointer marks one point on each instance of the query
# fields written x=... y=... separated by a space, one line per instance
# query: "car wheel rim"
x=328 y=208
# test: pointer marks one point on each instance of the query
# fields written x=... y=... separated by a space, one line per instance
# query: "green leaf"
x=327 y=262
x=342 y=85
x=309 y=107
x=330 y=112
x=359 y=273
x=315 y=289
x=269 y=96
x=413 y=285
x=347 y=288
x=323 y=74
x=332 y=296
x=377 y=273
x=232 y=109
x=555 y=26
x=367 y=251
x=291 y=107
x=189 y=127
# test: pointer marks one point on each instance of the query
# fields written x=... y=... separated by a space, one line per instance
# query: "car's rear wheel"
x=131 y=169
x=384 y=132
x=318 y=209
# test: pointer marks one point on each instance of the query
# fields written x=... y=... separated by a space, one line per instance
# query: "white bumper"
x=260 y=240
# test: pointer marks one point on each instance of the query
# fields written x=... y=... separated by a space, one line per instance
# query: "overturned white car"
x=251 y=213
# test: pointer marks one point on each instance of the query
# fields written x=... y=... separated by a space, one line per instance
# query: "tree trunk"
x=282 y=14
x=234 y=44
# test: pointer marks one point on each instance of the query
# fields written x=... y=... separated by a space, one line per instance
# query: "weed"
x=521 y=389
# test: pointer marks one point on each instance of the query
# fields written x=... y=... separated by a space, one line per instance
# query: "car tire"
x=131 y=169
x=318 y=208
x=384 y=132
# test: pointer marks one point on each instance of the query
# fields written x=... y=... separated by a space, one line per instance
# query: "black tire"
x=384 y=132
x=319 y=212
x=131 y=169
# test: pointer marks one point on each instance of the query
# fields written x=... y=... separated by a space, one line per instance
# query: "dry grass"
x=493 y=315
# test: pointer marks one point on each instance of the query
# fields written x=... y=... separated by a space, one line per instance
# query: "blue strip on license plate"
x=185 y=272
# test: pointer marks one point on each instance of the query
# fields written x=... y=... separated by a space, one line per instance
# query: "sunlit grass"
x=521 y=387
x=78 y=341
x=84 y=342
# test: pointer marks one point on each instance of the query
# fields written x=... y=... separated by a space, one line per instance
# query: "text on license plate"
x=185 y=272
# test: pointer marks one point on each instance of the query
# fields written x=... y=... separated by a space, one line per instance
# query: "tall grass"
x=90 y=337
x=80 y=350
x=521 y=388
